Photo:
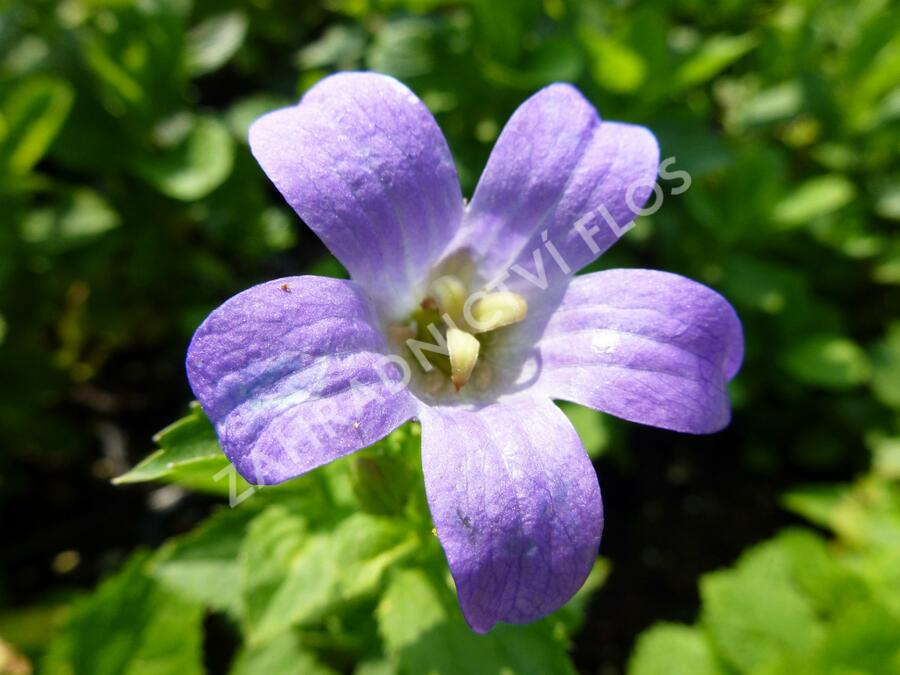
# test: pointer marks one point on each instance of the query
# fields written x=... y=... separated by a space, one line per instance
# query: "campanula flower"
x=468 y=318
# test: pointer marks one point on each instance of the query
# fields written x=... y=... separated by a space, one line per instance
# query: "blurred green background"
x=131 y=207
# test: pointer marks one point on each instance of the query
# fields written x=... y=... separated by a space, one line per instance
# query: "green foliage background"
x=131 y=207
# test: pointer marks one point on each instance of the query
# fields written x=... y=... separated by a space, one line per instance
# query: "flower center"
x=446 y=334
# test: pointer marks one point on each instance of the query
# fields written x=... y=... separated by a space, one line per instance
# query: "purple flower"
x=467 y=318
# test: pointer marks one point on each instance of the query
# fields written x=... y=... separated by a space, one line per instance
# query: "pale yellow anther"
x=463 y=349
x=450 y=294
x=496 y=310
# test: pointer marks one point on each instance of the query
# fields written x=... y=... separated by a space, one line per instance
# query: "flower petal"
x=292 y=373
x=556 y=164
x=648 y=346
x=516 y=505
x=363 y=162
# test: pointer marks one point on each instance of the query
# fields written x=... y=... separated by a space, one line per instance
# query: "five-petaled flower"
x=467 y=318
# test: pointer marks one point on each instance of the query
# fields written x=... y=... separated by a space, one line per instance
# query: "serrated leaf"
x=203 y=565
x=189 y=455
x=816 y=503
x=672 y=649
x=193 y=168
x=865 y=516
x=864 y=638
x=130 y=626
x=425 y=633
x=284 y=655
x=818 y=573
x=755 y=613
x=295 y=576
x=190 y=439
x=211 y=43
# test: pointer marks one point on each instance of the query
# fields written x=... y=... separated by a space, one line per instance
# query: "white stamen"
x=496 y=310
x=463 y=348
x=450 y=294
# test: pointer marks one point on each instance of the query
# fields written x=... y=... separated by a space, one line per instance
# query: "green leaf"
x=696 y=149
x=818 y=573
x=715 y=55
x=828 y=361
x=193 y=168
x=864 y=516
x=132 y=53
x=284 y=655
x=816 y=197
x=615 y=66
x=755 y=613
x=340 y=45
x=189 y=455
x=295 y=576
x=816 y=503
x=554 y=59
x=567 y=620
x=864 y=638
x=887 y=271
x=130 y=626
x=379 y=667
x=403 y=47
x=887 y=201
x=733 y=203
x=775 y=104
x=79 y=217
x=203 y=565
x=886 y=457
x=273 y=541
x=424 y=632
x=211 y=43
x=672 y=649
x=592 y=427
x=245 y=111
x=33 y=627
x=190 y=439
x=501 y=26
x=886 y=368
x=387 y=473
x=32 y=111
